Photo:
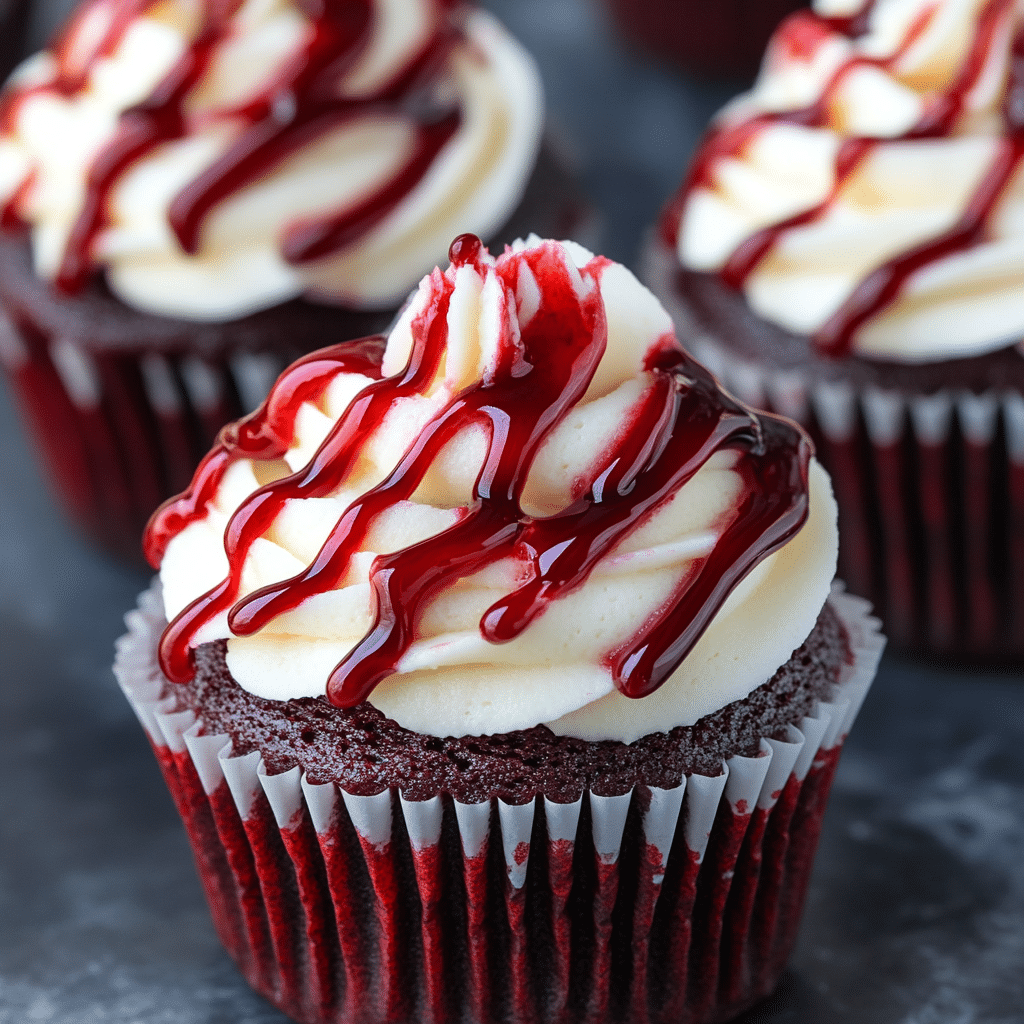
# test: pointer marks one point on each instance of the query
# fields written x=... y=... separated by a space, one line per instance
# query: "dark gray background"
x=916 y=912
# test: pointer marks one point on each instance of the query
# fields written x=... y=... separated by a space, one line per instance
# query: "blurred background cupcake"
x=192 y=198
x=848 y=248
x=718 y=38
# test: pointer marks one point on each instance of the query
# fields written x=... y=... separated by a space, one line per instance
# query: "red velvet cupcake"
x=848 y=250
x=504 y=677
x=720 y=38
x=194 y=197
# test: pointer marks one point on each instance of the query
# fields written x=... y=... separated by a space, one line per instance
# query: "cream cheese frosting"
x=869 y=190
x=451 y=678
x=420 y=121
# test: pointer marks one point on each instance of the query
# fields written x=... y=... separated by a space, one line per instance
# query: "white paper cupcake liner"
x=654 y=905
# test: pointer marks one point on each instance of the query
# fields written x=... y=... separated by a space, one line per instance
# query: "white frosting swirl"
x=472 y=184
x=881 y=85
x=452 y=681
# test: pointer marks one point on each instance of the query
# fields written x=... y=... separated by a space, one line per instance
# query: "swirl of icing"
x=869 y=191
x=530 y=506
x=217 y=158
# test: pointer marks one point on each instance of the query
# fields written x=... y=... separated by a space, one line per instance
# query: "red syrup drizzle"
x=805 y=31
x=542 y=370
x=296 y=108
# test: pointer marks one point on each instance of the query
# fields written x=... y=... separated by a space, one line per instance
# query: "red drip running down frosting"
x=802 y=34
x=297 y=106
x=683 y=419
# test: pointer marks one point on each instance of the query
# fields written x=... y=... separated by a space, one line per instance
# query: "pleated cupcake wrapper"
x=931 y=500
x=121 y=431
x=659 y=904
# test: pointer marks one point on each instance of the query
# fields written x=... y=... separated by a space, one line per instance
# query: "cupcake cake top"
x=529 y=505
x=869 y=191
x=218 y=158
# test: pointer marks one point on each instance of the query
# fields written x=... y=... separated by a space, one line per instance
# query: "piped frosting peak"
x=530 y=487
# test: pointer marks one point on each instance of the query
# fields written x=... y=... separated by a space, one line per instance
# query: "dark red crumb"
x=364 y=752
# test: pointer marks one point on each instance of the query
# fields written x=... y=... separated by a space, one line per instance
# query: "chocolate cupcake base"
x=927 y=463
x=676 y=903
x=122 y=405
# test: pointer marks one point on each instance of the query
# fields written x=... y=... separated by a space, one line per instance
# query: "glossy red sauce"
x=295 y=107
x=542 y=371
x=802 y=35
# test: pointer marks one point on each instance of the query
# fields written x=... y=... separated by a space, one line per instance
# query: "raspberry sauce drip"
x=265 y=434
x=803 y=34
x=542 y=370
x=298 y=106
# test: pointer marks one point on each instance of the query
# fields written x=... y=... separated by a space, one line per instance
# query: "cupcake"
x=719 y=38
x=497 y=669
x=848 y=249
x=196 y=195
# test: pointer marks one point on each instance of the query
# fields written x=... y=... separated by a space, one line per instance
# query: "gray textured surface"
x=916 y=912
